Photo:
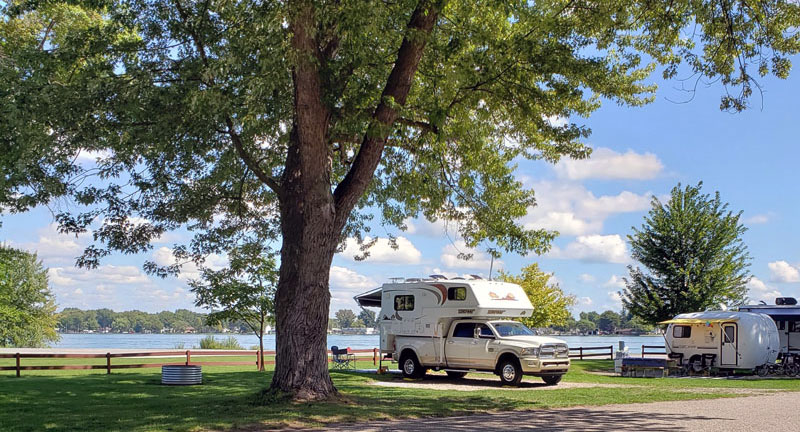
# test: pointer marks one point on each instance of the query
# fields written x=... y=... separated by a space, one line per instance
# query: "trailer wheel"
x=456 y=375
x=552 y=379
x=510 y=372
x=762 y=370
x=410 y=366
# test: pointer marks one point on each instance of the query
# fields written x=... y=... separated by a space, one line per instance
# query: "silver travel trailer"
x=463 y=325
x=786 y=314
x=723 y=340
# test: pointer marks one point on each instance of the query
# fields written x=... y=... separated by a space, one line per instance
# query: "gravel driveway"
x=778 y=412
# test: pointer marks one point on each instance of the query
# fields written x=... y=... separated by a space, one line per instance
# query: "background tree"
x=369 y=318
x=694 y=256
x=586 y=326
x=609 y=321
x=244 y=291
x=300 y=120
x=345 y=318
x=550 y=304
x=27 y=308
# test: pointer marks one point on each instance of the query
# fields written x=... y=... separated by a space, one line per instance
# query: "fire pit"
x=181 y=375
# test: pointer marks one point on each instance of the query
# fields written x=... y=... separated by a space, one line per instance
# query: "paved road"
x=774 y=412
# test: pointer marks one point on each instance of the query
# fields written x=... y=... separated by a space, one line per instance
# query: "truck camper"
x=462 y=325
x=722 y=340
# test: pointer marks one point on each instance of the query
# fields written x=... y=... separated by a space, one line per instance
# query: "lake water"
x=170 y=341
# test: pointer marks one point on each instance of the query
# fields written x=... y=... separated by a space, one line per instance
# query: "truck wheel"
x=456 y=375
x=510 y=372
x=551 y=379
x=410 y=366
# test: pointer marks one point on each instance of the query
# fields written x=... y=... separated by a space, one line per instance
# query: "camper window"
x=464 y=330
x=457 y=293
x=681 y=331
x=404 y=303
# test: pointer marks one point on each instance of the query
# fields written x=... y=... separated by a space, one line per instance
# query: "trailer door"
x=729 y=345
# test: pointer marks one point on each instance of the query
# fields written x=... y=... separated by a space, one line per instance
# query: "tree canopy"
x=693 y=254
x=307 y=122
x=27 y=307
x=550 y=304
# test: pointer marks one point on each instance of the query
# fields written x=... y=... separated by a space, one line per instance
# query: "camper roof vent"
x=397 y=279
x=413 y=280
x=788 y=301
x=474 y=276
x=438 y=277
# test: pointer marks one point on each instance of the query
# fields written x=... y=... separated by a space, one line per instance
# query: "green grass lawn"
x=134 y=400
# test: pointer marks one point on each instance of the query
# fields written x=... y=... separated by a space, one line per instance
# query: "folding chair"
x=342 y=358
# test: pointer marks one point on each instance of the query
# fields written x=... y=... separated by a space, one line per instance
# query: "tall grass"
x=229 y=343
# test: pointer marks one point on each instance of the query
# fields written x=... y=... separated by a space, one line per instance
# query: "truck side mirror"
x=477 y=333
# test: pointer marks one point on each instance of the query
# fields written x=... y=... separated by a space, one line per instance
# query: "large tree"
x=303 y=120
x=694 y=256
x=27 y=307
x=244 y=290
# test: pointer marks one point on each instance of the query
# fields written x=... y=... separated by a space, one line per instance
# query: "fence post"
x=611 y=352
x=17 y=365
x=581 y=352
x=188 y=357
x=108 y=363
x=643 y=348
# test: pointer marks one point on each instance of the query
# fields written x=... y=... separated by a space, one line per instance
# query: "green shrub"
x=229 y=343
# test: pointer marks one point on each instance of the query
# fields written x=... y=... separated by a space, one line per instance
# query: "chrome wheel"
x=408 y=367
x=509 y=373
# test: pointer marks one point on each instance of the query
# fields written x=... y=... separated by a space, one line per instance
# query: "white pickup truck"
x=508 y=349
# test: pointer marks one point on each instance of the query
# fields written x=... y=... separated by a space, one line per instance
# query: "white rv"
x=786 y=314
x=462 y=325
x=722 y=340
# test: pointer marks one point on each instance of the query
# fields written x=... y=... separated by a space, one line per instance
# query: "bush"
x=210 y=342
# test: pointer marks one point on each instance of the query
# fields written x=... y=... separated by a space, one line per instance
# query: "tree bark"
x=312 y=216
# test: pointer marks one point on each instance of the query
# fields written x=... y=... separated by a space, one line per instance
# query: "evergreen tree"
x=693 y=255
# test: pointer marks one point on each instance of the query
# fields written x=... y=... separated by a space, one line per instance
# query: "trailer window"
x=681 y=331
x=457 y=293
x=404 y=303
x=464 y=330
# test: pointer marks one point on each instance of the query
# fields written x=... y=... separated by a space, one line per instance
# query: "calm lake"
x=170 y=341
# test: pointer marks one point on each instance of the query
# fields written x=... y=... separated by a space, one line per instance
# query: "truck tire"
x=456 y=375
x=510 y=372
x=552 y=379
x=410 y=366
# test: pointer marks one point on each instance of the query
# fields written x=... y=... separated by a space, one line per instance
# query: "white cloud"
x=480 y=260
x=616 y=299
x=104 y=274
x=782 y=271
x=382 y=251
x=615 y=282
x=92 y=155
x=584 y=301
x=605 y=163
x=758 y=219
x=571 y=209
x=163 y=256
x=586 y=278
x=344 y=285
x=594 y=248
x=759 y=291
x=56 y=247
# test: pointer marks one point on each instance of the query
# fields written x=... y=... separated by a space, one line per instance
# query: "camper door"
x=729 y=345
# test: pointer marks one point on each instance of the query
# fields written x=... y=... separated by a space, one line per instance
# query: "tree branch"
x=393 y=98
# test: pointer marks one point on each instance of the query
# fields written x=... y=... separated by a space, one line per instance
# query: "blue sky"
x=751 y=158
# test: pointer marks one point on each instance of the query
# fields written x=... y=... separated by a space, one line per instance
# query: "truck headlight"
x=529 y=352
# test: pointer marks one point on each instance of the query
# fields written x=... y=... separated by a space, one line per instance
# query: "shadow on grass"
x=137 y=401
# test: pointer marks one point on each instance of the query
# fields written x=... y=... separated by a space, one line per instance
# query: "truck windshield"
x=512 y=329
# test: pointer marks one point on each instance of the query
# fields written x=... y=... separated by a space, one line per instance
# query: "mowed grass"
x=134 y=400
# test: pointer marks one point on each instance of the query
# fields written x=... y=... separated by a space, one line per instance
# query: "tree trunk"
x=261 y=350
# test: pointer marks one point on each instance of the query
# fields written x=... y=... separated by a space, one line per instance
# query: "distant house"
x=630 y=332
x=189 y=330
x=358 y=331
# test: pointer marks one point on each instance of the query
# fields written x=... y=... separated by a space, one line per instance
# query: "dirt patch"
x=482 y=384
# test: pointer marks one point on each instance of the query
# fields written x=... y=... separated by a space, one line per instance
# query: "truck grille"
x=554 y=351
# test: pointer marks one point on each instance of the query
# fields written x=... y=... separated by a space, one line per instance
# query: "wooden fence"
x=186 y=357
x=662 y=348
x=605 y=351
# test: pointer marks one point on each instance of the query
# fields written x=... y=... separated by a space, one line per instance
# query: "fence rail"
x=18 y=367
x=606 y=351
x=662 y=348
